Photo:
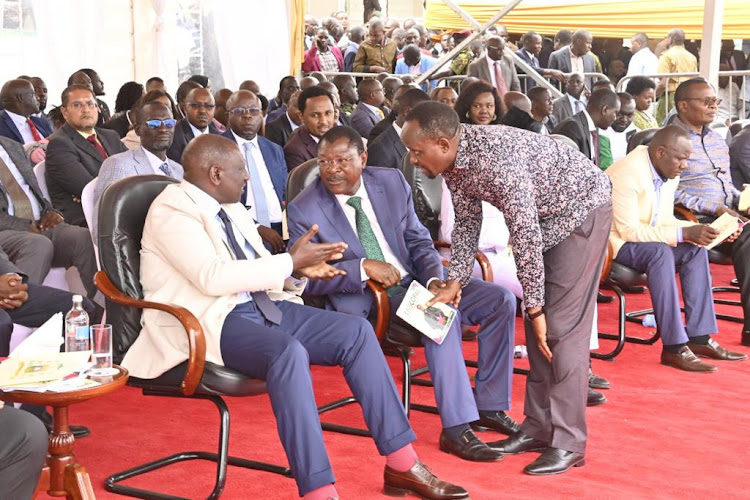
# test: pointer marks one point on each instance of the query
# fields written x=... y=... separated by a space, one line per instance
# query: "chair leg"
x=728 y=302
x=222 y=459
x=620 y=337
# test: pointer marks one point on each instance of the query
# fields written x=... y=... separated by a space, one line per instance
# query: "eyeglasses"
x=82 y=104
x=339 y=162
x=706 y=101
x=154 y=124
x=203 y=105
x=245 y=111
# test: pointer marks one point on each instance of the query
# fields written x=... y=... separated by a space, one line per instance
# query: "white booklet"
x=434 y=322
x=726 y=225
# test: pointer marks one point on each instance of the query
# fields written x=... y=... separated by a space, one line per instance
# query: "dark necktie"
x=95 y=143
x=265 y=305
x=34 y=132
x=595 y=147
x=19 y=198
x=164 y=167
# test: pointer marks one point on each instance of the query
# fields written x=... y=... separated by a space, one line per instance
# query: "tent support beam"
x=713 y=18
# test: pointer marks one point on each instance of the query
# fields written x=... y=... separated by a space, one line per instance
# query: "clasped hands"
x=12 y=291
x=310 y=259
x=49 y=220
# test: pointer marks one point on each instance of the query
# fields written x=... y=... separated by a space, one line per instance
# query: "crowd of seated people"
x=234 y=149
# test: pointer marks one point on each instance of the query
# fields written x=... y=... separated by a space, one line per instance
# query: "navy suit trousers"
x=282 y=354
x=660 y=262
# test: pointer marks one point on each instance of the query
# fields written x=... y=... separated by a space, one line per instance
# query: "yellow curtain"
x=603 y=18
x=296 y=9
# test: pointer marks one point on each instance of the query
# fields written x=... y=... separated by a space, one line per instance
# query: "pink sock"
x=323 y=493
x=402 y=460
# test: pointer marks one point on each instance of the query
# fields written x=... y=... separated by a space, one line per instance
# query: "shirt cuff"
x=289 y=265
x=362 y=272
x=679 y=235
x=427 y=285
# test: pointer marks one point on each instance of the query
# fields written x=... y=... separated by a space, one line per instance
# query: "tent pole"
x=713 y=16
x=459 y=47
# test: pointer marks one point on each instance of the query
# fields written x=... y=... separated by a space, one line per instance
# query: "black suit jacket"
x=300 y=148
x=182 y=135
x=119 y=123
x=17 y=154
x=382 y=126
x=72 y=162
x=279 y=130
x=577 y=128
x=387 y=150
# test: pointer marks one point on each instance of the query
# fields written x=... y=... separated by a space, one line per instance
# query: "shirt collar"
x=704 y=130
x=592 y=125
x=154 y=160
x=18 y=120
x=398 y=129
x=205 y=201
x=361 y=192
x=196 y=130
x=372 y=108
x=293 y=125
x=241 y=140
x=657 y=179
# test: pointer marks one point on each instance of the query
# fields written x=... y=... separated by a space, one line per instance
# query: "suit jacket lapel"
x=377 y=194
x=83 y=144
x=187 y=131
x=310 y=144
x=142 y=165
x=12 y=127
x=398 y=144
x=332 y=210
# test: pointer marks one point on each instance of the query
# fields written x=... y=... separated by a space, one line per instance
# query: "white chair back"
x=39 y=171
x=87 y=201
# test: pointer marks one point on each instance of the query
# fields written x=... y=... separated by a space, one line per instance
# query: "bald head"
x=215 y=165
x=307 y=82
x=18 y=97
x=240 y=95
x=677 y=36
x=517 y=100
x=666 y=136
x=251 y=86
x=80 y=78
x=669 y=151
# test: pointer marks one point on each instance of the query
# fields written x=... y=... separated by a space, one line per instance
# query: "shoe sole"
x=449 y=452
x=599 y=386
x=689 y=371
x=580 y=463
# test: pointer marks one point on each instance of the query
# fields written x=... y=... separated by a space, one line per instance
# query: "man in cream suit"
x=201 y=250
x=155 y=126
x=647 y=237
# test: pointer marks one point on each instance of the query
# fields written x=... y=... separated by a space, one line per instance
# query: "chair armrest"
x=685 y=213
x=484 y=262
x=607 y=267
x=193 y=328
x=383 y=304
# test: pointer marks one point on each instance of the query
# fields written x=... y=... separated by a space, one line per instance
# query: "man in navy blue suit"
x=371 y=209
x=19 y=103
x=529 y=52
x=264 y=192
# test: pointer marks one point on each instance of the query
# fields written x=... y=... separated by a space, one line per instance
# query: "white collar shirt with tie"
x=156 y=164
x=35 y=207
x=274 y=206
x=22 y=126
x=575 y=104
x=491 y=67
x=197 y=131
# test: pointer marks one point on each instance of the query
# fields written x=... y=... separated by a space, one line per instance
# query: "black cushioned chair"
x=641 y=138
x=122 y=213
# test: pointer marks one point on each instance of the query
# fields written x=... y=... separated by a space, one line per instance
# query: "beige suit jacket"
x=185 y=261
x=634 y=202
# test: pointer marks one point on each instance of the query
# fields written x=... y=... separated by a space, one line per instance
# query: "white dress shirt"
x=643 y=62
x=209 y=205
x=23 y=127
x=618 y=141
x=155 y=162
x=274 y=207
x=293 y=125
x=576 y=107
x=197 y=132
x=35 y=207
x=576 y=63
x=350 y=213
x=491 y=67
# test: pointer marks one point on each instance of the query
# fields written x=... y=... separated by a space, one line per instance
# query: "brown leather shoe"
x=714 y=351
x=746 y=337
x=685 y=360
x=420 y=481
x=468 y=334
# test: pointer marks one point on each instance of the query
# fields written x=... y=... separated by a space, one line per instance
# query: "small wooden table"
x=63 y=476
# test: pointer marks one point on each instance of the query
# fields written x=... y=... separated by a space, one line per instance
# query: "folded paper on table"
x=47 y=339
x=40 y=369
x=433 y=322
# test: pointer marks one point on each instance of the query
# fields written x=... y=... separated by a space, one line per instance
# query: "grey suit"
x=123 y=165
x=61 y=246
x=560 y=59
x=72 y=162
x=363 y=119
x=562 y=109
x=480 y=69
x=386 y=150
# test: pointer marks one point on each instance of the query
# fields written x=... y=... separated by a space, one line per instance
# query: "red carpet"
x=662 y=434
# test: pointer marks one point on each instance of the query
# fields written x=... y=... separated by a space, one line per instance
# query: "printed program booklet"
x=434 y=322
x=727 y=225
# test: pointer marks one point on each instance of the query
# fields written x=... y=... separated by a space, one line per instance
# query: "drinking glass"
x=101 y=347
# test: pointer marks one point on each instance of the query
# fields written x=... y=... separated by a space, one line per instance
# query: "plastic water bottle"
x=77 y=327
x=649 y=321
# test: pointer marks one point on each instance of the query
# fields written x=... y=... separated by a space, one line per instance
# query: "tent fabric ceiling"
x=603 y=18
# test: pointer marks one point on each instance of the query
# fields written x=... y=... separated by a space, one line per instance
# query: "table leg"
x=43 y=484
x=60 y=453
x=77 y=483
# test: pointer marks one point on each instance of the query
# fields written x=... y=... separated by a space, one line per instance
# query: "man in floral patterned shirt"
x=558 y=209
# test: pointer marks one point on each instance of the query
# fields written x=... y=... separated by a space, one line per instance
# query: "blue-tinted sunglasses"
x=170 y=123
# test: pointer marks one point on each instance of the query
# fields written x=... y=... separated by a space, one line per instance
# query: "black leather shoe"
x=518 y=443
x=469 y=447
x=467 y=333
x=595 y=398
x=497 y=421
x=420 y=481
x=686 y=360
x=714 y=351
x=78 y=431
x=746 y=337
x=597 y=382
x=555 y=461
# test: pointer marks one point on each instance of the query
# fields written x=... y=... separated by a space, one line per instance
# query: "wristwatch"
x=533 y=316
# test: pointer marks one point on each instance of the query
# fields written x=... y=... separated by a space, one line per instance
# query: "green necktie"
x=605 y=152
x=368 y=239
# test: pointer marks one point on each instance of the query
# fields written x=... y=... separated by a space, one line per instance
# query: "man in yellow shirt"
x=675 y=59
